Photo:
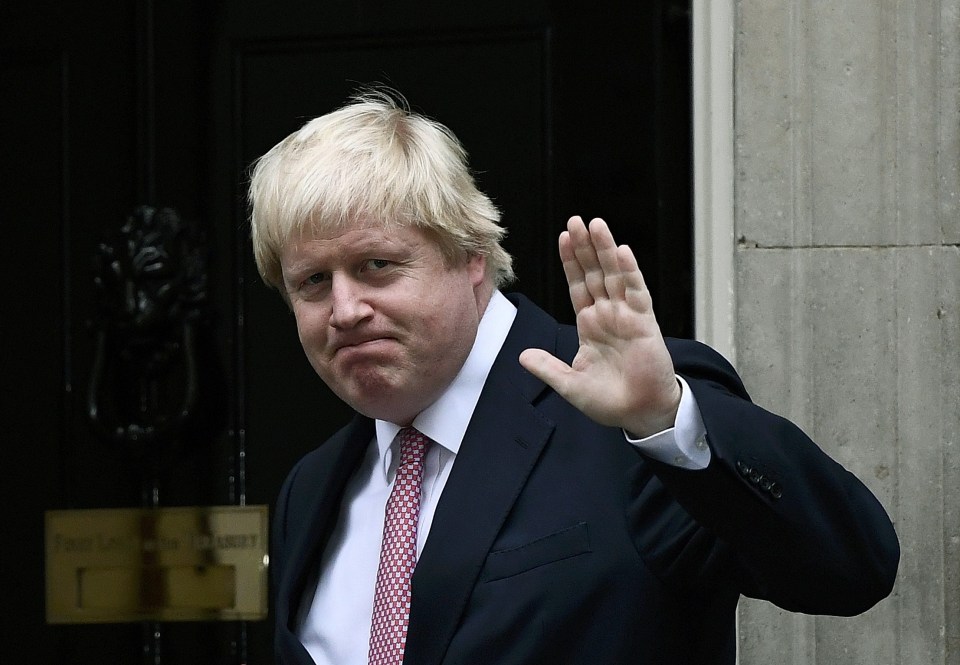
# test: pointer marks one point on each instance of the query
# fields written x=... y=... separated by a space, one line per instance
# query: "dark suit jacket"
x=556 y=542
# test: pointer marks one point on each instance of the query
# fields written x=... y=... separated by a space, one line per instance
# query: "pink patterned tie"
x=398 y=554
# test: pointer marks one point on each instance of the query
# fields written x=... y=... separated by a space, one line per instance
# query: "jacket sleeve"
x=777 y=515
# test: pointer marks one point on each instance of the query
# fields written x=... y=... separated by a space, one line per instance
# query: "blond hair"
x=373 y=159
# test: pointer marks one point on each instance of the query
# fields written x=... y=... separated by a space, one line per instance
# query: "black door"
x=565 y=108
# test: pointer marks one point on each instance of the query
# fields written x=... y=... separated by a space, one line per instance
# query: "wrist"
x=655 y=420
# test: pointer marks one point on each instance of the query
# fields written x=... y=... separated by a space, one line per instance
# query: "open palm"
x=622 y=374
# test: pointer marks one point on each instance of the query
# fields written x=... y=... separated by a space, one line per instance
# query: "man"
x=567 y=495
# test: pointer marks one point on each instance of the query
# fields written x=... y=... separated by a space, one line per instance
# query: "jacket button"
x=775 y=490
x=743 y=469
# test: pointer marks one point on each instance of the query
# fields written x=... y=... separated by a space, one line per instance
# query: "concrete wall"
x=847 y=287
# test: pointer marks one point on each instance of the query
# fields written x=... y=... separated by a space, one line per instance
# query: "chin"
x=376 y=401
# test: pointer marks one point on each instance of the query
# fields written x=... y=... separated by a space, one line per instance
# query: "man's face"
x=383 y=319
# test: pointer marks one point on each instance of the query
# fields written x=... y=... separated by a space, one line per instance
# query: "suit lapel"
x=500 y=448
x=338 y=461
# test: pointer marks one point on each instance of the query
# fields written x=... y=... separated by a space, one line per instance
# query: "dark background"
x=566 y=108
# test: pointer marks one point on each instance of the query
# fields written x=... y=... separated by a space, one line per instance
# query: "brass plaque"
x=205 y=563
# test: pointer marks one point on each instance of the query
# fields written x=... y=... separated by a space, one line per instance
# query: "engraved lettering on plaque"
x=159 y=564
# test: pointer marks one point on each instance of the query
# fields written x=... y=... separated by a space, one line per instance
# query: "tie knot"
x=413 y=445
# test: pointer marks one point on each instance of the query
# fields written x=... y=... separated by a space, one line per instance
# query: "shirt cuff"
x=685 y=444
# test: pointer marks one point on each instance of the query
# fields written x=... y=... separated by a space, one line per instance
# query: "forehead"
x=355 y=237
x=368 y=231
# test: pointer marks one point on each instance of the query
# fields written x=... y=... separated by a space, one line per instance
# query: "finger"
x=636 y=292
x=629 y=268
x=579 y=295
x=587 y=257
x=549 y=369
x=606 y=249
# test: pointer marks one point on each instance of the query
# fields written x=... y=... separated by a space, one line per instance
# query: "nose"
x=348 y=302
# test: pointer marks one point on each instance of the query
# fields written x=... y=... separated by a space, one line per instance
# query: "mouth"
x=360 y=344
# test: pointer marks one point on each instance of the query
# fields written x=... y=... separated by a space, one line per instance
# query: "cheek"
x=311 y=327
x=452 y=312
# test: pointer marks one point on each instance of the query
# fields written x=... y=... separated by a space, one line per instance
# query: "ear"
x=477 y=269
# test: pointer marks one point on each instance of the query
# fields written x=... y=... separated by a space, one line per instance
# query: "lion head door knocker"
x=151 y=288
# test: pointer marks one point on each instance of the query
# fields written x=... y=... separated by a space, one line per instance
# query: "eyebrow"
x=364 y=246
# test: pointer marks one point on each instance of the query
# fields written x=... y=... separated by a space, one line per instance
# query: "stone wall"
x=846 y=155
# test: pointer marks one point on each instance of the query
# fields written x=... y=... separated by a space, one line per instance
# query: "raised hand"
x=622 y=374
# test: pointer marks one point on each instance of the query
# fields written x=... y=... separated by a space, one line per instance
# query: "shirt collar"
x=446 y=420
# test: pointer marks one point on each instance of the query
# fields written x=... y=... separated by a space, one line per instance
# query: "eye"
x=376 y=264
x=316 y=278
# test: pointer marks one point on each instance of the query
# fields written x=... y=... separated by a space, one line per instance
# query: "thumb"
x=549 y=369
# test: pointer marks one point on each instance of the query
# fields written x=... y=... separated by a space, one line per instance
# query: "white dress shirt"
x=335 y=616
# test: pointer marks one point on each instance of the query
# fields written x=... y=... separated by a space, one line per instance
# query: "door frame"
x=713 y=174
